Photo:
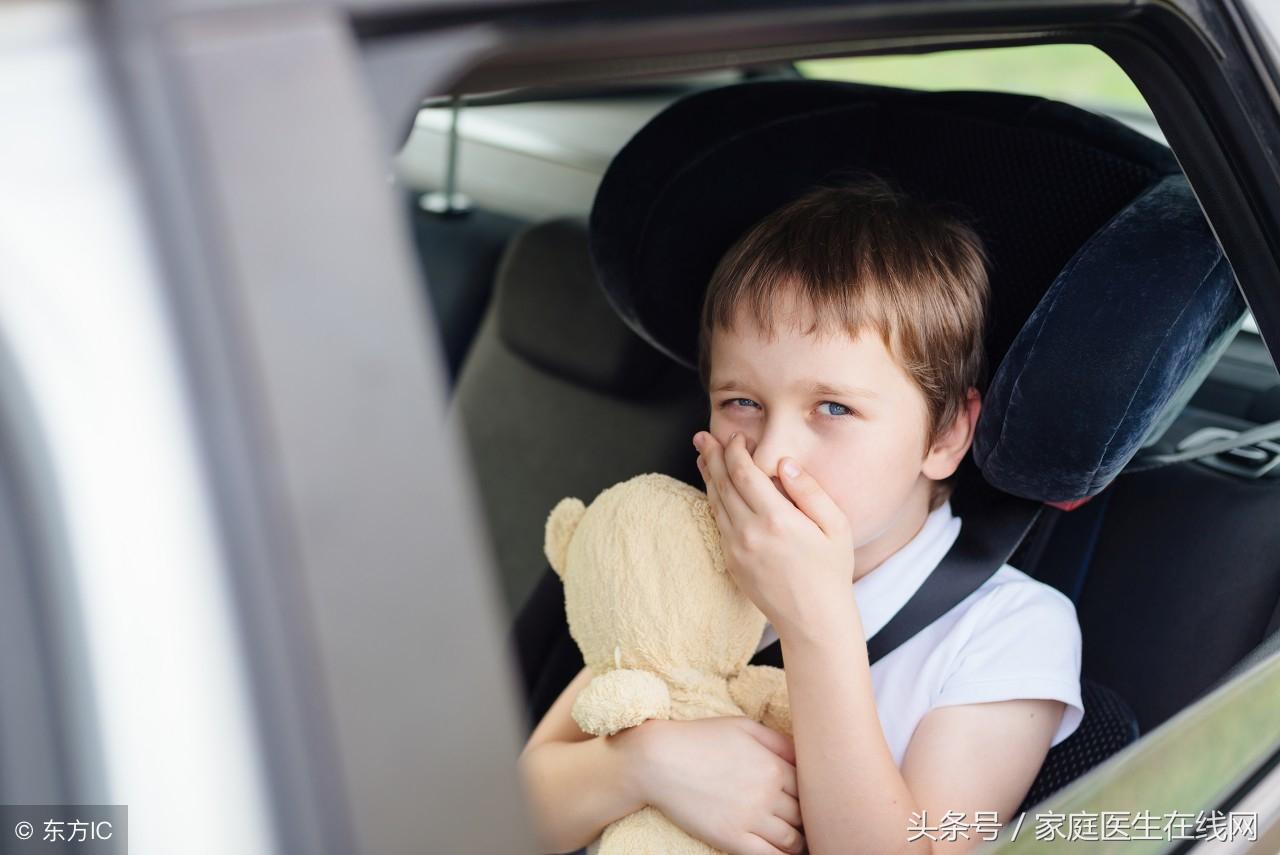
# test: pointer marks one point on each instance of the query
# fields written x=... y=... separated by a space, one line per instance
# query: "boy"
x=842 y=350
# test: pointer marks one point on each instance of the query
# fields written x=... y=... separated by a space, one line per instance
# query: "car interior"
x=518 y=200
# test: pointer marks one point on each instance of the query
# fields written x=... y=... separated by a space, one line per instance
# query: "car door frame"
x=262 y=260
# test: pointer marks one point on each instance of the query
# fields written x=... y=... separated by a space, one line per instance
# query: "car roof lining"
x=514 y=73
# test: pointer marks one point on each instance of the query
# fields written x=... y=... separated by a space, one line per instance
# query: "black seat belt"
x=993 y=524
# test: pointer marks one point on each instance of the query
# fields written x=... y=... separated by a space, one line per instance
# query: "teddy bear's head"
x=645 y=580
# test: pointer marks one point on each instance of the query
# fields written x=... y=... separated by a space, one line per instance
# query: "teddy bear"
x=663 y=627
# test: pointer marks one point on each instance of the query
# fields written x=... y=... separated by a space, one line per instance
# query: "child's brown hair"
x=863 y=254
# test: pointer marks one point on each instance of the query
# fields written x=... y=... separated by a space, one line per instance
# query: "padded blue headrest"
x=1078 y=212
x=1120 y=331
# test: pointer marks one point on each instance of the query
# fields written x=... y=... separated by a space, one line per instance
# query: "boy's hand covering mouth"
x=777 y=484
x=791 y=554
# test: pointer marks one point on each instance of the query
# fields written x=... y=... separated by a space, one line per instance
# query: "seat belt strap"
x=985 y=543
x=989 y=534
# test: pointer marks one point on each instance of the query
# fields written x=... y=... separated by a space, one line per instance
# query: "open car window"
x=1080 y=75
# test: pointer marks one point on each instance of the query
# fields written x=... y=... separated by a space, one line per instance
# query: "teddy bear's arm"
x=620 y=699
x=761 y=691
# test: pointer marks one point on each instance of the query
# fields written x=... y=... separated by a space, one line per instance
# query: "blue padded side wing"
x=1135 y=312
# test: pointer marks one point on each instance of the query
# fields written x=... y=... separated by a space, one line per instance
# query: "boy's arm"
x=853 y=796
x=978 y=757
x=577 y=784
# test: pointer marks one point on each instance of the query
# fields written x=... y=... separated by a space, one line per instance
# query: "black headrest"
x=552 y=313
x=1038 y=178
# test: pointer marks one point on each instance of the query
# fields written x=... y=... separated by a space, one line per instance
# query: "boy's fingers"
x=714 y=472
x=778 y=743
x=754 y=844
x=809 y=497
x=723 y=521
x=779 y=836
x=717 y=507
x=788 y=810
x=755 y=487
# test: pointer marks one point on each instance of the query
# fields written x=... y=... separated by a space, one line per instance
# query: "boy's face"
x=863 y=439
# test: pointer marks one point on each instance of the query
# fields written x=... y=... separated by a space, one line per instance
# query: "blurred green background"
x=1078 y=74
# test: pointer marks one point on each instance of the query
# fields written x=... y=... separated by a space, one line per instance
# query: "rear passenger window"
x=1086 y=77
x=1078 y=74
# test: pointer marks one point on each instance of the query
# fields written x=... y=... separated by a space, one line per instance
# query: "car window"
x=530 y=161
x=1078 y=74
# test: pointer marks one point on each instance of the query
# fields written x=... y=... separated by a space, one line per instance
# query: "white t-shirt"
x=1014 y=637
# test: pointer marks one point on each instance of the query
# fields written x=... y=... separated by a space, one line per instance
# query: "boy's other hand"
x=792 y=555
x=728 y=781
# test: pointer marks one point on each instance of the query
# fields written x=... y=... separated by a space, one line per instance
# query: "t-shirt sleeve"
x=1025 y=643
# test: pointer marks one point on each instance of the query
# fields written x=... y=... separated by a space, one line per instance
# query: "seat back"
x=1175 y=573
x=558 y=398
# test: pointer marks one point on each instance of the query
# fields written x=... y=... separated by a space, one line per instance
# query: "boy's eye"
x=841 y=409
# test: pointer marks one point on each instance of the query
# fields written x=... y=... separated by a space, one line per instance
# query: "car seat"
x=557 y=397
x=1173 y=573
x=458 y=255
x=1101 y=259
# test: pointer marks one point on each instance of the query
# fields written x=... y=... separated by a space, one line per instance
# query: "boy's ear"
x=944 y=457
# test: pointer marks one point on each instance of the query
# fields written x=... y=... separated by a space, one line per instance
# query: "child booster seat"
x=1110 y=298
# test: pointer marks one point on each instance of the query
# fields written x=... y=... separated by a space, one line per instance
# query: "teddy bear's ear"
x=561 y=524
x=710 y=531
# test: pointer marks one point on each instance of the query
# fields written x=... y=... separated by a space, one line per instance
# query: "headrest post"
x=449 y=203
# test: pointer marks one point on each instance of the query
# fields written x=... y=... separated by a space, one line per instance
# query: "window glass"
x=1078 y=74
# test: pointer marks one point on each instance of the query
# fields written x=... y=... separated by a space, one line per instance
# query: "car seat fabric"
x=1166 y=607
x=558 y=398
x=1039 y=177
x=1139 y=309
x=1269 y=647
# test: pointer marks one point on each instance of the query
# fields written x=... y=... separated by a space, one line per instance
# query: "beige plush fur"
x=662 y=626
